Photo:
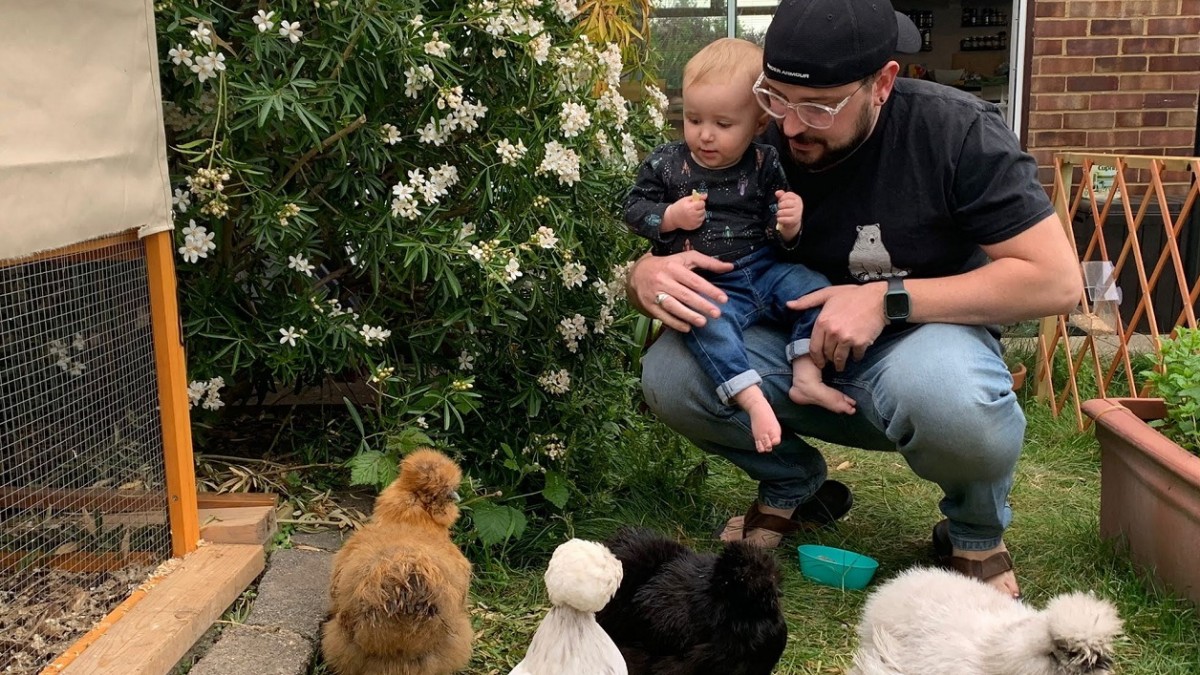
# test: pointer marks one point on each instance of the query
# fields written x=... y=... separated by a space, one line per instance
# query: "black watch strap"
x=896 y=302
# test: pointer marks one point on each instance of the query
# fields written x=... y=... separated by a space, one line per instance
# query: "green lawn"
x=1054 y=540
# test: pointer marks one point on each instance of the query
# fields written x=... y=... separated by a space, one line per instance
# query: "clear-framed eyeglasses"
x=814 y=115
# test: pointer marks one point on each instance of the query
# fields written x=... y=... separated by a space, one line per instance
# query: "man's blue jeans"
x=939 y=394
x=757 y=288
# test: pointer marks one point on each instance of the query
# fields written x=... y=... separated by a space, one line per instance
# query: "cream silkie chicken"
x=581 y=578
x=936 y=622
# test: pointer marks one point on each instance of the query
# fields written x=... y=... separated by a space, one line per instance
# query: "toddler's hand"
x=789 y=213
x=685 y=214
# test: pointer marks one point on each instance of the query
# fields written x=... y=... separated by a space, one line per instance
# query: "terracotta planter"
x=1018 y=372
x=1149 y=492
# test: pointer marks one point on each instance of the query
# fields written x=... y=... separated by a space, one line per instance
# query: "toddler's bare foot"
x=764 y=426
x=819 y=393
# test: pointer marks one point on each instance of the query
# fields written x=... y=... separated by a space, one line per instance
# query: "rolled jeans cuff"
x=736 y=384
x=796 y=349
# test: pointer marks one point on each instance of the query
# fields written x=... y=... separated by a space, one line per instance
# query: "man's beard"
x=834 y=155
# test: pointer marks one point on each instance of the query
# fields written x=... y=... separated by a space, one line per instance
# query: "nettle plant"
x=425 y=195
x=1177 y=381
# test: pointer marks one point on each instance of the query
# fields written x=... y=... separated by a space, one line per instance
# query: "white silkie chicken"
x=580 y=579
x=935 y=622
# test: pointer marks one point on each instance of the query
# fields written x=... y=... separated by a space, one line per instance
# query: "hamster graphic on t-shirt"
x=869 y=260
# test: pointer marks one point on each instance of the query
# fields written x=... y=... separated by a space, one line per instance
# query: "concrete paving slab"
x=326 y=540
x=246 y=650
x=294 y=592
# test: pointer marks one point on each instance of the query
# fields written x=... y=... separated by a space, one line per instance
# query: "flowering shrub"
x=425 y=195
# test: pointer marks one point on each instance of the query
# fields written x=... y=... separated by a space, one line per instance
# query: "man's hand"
x=686 y=297
x=685 y=214
x=788 y=216
x=850 y=320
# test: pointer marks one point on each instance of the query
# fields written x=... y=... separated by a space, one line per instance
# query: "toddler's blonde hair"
x=724 y=61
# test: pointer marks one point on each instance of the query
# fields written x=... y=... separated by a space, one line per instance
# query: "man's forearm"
x=1032 y=275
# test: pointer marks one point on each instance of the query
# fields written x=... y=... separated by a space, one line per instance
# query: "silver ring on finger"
x=660 y=297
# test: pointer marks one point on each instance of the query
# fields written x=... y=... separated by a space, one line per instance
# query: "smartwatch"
x=896 y=305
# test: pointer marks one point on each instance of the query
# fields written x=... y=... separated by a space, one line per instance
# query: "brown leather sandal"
x=831 y=502
x=943 y=552
x=755 y=519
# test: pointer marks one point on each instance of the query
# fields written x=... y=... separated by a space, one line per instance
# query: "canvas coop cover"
x=82 y=150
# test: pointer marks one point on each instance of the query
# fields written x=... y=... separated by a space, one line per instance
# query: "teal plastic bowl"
x=836 y=567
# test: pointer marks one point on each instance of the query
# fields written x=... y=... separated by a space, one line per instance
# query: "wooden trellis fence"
x=1138 y=243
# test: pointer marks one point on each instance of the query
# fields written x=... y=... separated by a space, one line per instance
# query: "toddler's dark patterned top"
x=740 y=209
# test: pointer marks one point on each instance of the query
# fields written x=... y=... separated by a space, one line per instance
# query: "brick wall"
x=1113 y=76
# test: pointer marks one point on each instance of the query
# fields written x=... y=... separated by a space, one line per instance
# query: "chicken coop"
x=97 y=482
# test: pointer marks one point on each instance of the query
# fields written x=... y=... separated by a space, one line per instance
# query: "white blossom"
x=659 y=98
x=416 y=79
x=208 y=65
x=512 y=270
x=420 y=421
x=289 y=336
x=545 y=237
x=656 y=117
x=539 y=48
x=511 y=154
x=390 y=133
x=466 y=230
x=436 y=47
x=572 y=330
x=574 y=118
x=196 y=391
x=629 y=150
x=301 y=264
x=263 y=21
x=197 y=242
x=417 y=21
x=374 y=334
x=212 y=397
x=499 y=52
x=202 y=34
x=574 y=274
x=181 y=55
x=291 y=31
x=613 y=102
x=562 y=162
x=566 y=9
x=466 y=360
x=182 y=200
x=610 y=58
x=556 y=382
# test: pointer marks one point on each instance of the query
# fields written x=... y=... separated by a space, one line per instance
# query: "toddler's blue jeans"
x=757 y=288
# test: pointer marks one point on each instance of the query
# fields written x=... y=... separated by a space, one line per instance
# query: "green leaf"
x=497 y=524
x=358 y=423
x=409 y=439
x=557 y=490
x=373 y=468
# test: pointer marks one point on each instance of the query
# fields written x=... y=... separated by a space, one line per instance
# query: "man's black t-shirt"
x=940 y=175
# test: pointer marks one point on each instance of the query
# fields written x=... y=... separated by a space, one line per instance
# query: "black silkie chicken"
x=679 y=612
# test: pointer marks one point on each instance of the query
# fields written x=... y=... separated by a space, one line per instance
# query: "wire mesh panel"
x=83 y=510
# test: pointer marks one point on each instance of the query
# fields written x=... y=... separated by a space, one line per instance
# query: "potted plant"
x=1149 y=469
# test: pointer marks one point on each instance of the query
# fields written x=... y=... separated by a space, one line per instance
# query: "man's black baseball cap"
x=828 y=43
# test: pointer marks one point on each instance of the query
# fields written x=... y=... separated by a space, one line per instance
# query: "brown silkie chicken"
x=398 y=596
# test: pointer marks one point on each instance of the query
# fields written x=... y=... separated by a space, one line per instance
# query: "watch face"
x=895 y=305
